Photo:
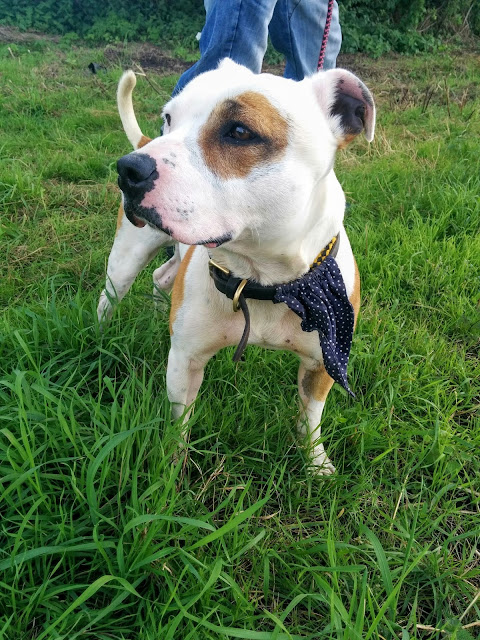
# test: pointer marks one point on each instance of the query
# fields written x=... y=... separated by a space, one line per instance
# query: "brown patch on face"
x=229 y=158
x=316 y=384
x=143 y=141
x=355 y=295
x=346 y=140
x=179 y=287
x=119 y=218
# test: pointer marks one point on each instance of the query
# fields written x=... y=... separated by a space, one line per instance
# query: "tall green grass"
x=101 y=535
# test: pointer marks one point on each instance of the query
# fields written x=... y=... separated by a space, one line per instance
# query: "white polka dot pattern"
x=320 y=299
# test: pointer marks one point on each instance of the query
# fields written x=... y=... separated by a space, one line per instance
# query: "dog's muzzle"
x=136 y=174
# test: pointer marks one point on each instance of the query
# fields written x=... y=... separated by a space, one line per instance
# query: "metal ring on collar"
x=238 y=293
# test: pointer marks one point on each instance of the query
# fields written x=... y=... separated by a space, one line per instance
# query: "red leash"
x=326 y=31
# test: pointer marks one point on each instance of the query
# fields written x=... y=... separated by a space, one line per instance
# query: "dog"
x=242 y=183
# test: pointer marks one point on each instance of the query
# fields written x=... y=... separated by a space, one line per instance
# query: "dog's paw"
x=104 y=309
x=325 y=469
x=321 y=464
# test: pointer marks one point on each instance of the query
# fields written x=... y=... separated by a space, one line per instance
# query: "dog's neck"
x=288 y=257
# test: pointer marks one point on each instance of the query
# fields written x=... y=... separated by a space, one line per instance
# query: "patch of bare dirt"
x=147 y=56
x=391 y=75
x=10 y=35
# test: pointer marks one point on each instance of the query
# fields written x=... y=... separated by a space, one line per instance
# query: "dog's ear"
x=233 y=67
x=347 y=104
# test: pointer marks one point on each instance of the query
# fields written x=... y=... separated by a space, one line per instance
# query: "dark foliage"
x=373 y=27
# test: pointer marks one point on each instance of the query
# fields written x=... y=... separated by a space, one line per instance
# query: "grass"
x=101 y=537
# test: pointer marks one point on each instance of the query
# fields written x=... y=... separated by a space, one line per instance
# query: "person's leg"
x=208 y=4
x=296 y=30
x=236 y=29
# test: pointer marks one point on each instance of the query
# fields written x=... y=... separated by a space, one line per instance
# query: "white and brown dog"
x=243 y=175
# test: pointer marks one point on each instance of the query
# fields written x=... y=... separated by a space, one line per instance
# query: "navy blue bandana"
x=320 y=299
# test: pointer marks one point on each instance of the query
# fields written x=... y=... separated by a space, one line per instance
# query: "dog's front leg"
x=314 y=385
x=132 y=250
x=184 y=377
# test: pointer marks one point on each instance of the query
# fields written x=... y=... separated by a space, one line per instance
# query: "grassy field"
x=100 y=536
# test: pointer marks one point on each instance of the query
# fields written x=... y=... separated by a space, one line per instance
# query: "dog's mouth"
x=138 y=222
x=141 y=221
x=212 y=243
x=141 y=216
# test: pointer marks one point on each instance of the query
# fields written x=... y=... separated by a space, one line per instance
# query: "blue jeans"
x=239 y=29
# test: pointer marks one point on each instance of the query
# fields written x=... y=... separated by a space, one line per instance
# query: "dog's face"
x=243 y=155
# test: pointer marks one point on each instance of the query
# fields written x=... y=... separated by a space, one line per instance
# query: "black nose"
x=135 y=171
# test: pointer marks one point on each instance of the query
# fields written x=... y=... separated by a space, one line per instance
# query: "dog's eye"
x=241 y=133
x=168 y=118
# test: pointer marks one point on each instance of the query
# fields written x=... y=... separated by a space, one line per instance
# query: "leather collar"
x=238 y=289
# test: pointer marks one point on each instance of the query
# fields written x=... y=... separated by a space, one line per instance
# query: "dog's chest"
x=274 y=326
x=214 y=324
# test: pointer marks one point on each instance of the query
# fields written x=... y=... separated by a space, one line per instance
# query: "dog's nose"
x=135 y=170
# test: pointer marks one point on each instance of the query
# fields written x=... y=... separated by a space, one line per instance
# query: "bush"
x=373 y=27
x=108 y=20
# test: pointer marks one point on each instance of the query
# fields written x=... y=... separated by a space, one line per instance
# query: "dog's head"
x=242 y=153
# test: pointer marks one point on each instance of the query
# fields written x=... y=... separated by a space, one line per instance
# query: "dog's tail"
x=125 y=108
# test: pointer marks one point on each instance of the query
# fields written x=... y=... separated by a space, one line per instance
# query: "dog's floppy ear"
x=347 y=104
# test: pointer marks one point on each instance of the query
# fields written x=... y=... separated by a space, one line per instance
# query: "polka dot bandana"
x=320 y=299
